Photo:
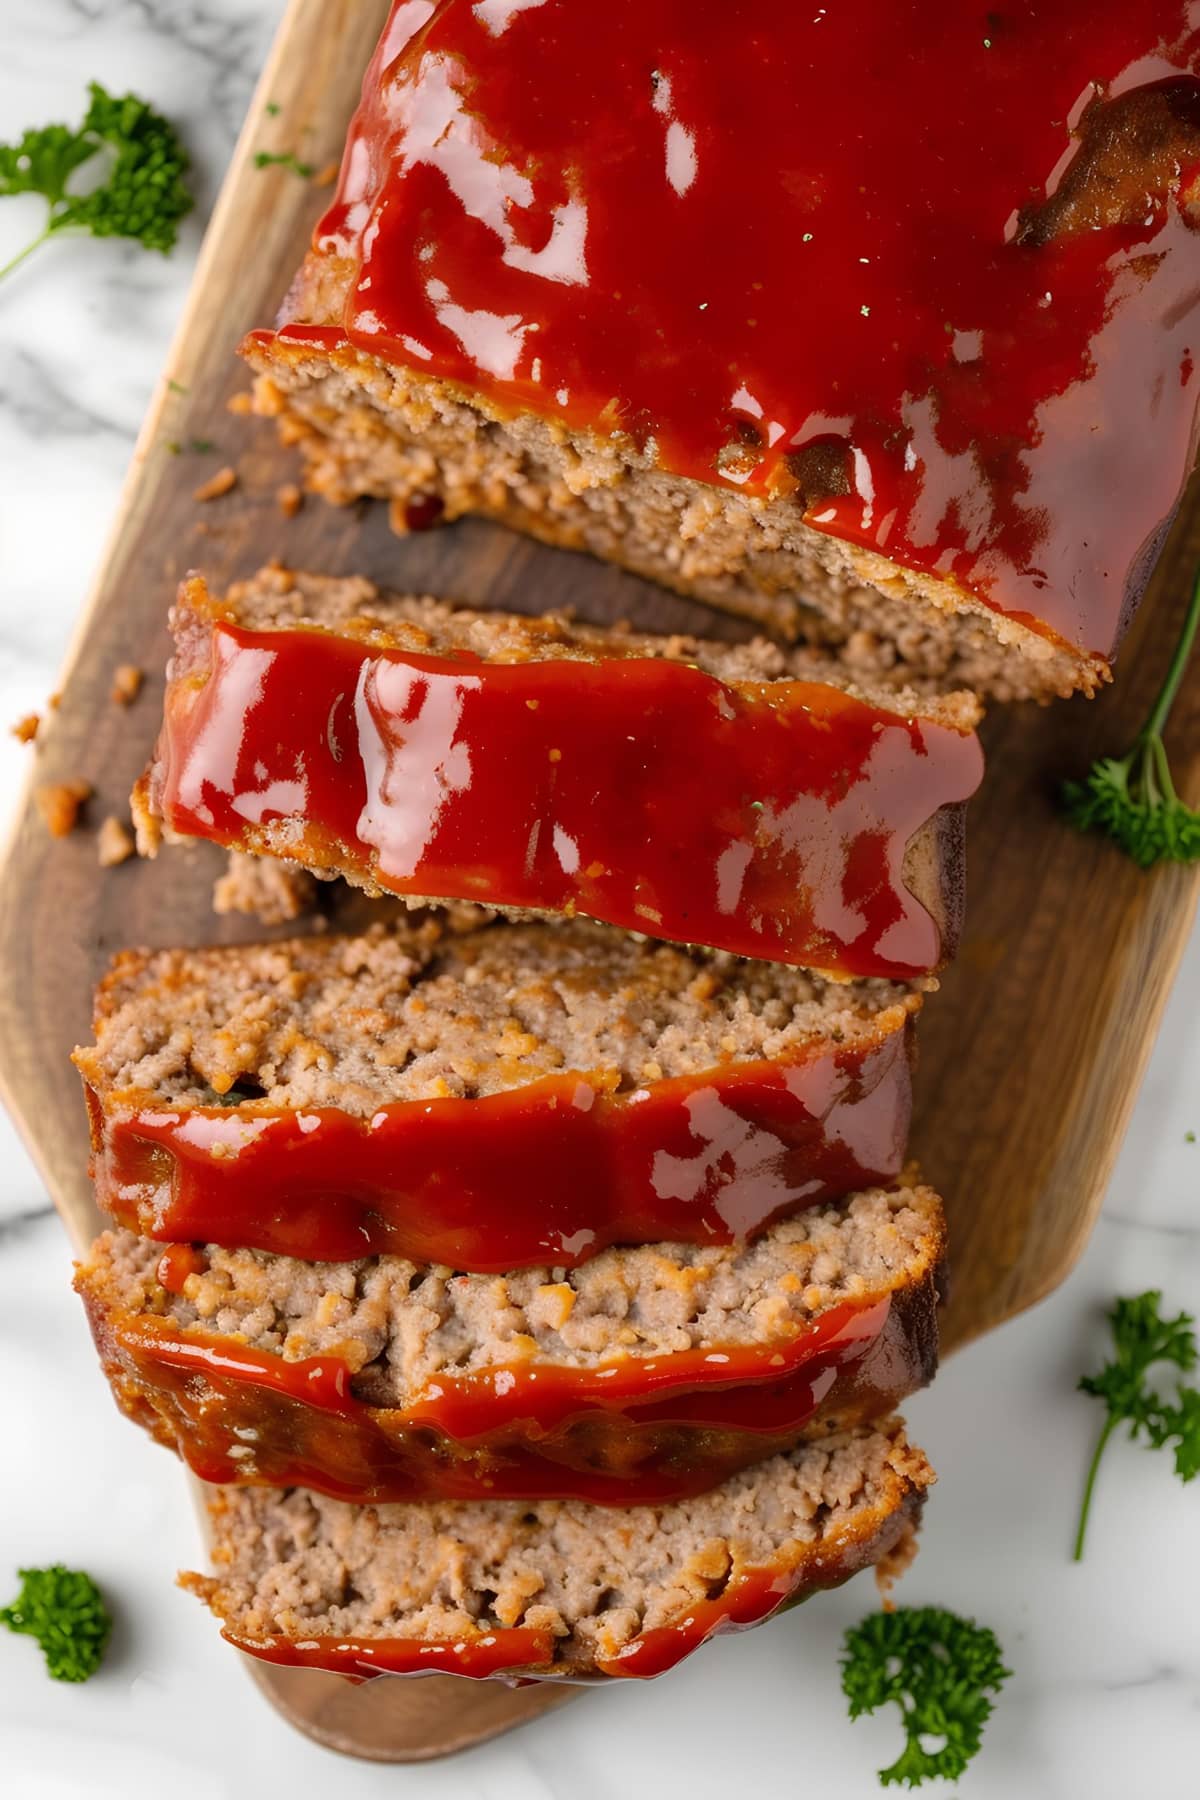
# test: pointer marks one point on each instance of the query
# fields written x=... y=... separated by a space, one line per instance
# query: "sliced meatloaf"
x=724 y=795
x=885 y=391
x=491 y=1097
x=648 y=1372
x=551 y=1588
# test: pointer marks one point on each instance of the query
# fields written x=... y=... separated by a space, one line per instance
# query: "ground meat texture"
x=280 y=598
x=400 y=1325
x=269 y=891
x=417 y=1011
x=297 y=1570
x=365 y=427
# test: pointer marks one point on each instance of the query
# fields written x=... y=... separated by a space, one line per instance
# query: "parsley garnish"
x=143 y=198
x=1132 y=798
x=1143 y=1338
x=65 y=1611
x=940 y=1670
x=284 y=159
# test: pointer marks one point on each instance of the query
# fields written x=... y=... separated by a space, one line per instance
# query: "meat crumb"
x=290 y=499
x=59 y=803
x=114 y=842
x=218 y=484
x=327 y=176
x=26 y=729
x=127 y=683
x=272 y=892
x=241 y=403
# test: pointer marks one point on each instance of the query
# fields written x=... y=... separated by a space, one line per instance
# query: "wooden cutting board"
x=1032 y=1055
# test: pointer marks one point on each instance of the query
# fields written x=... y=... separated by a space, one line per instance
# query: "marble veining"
x=1105 y=1699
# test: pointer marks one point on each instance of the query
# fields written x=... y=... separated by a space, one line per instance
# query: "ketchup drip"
x=705 y=1158
x=520 y=1653
x=629 y=1432
x=479 y=1658
x=767 y=818
x=812 y=250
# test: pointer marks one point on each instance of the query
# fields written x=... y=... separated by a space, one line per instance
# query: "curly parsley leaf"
x=1132 y=798
x=144 y=195
x=1143 y=1339
x=65 y=1611
x=940 y=1670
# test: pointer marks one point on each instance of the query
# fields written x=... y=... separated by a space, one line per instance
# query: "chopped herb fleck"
x=284 y=159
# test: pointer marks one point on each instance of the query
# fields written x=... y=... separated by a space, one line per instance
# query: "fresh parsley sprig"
x=144 y=196
x=1132 y=798
x=65 y=1611
x=941 y=1670
x=1142 y=1339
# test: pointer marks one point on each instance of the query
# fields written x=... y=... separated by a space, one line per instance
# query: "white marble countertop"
x=1105 y=1698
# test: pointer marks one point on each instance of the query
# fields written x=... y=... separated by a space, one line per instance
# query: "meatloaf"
x=645 y=1374
x=546 y=1588
x=931 y=393
x=721 y=794
x=487 y=1098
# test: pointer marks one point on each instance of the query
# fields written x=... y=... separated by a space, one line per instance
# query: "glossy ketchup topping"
x=767 y=818
x=923 y=265
x=627 y=1432
x=705 y=1158
x=751 y=1596
x=484 y=1655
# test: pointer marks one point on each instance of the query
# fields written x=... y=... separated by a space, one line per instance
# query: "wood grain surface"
x=1030 y=1057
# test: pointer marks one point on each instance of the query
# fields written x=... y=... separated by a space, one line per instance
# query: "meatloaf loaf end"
x=365 y=426
x=646 y=1373
x=886 y=392
x=329 y=1096
x=549 y=1589
x=740 y=796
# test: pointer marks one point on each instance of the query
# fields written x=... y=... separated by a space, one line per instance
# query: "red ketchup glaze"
x=705 y=1158
x=176 y=1263
x=745 y=231
x=491 y=1654
x=631 y=1432
x=751 y=1597
x=766 y=818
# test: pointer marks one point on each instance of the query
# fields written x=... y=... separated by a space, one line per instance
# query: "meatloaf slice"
x=648 y=1372
x=733 y=796
x=886 y=389
x=330 y=1097
x=548 y=1588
